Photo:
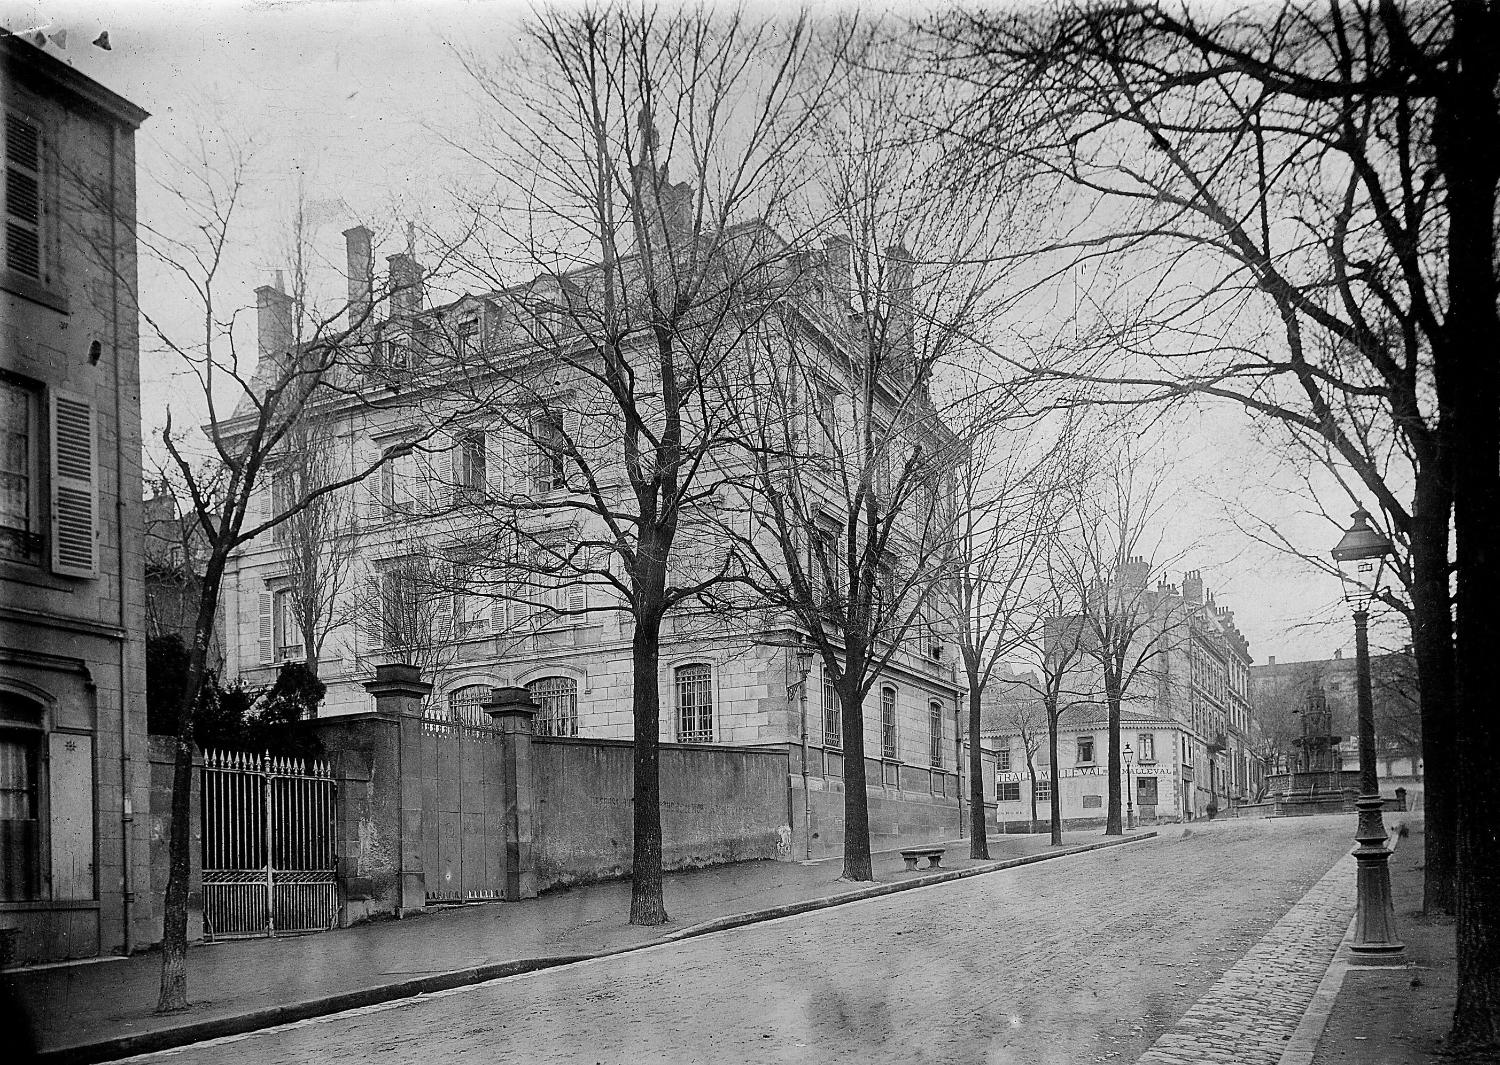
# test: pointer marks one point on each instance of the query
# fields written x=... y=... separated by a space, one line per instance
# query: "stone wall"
x=718 y=805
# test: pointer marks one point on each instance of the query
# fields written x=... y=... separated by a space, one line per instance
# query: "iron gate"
x=268 y=845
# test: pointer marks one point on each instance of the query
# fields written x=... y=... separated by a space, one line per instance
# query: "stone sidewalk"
x=1282 y=1002
x=103 y=1010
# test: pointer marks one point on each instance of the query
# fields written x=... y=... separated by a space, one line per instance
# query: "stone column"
x=512 y=710
x=399 y=690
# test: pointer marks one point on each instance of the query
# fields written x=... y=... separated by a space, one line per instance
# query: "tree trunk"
x=1054 y=800
x=172 y=995
x=1112 y=824
x=646 y=904
x=979 y=846
x=857 y=864
x=1467 y=138
x=1432 y=648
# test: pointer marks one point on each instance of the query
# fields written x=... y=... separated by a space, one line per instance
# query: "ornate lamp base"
x=1375 y=939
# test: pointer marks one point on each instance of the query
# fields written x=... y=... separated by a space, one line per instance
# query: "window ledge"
x=29 y=288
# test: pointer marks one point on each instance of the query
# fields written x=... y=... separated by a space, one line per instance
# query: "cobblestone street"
x=1087 y=959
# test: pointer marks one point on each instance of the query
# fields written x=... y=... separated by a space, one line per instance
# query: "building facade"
x=1194 y=673
x=725 y=676
x=74 y=773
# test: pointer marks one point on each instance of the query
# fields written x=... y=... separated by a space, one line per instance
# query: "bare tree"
x=252 y=405
x=1108 y=567
x=1011 y=489
x=1314 y=167
x=1013 y=707
x=627 y=292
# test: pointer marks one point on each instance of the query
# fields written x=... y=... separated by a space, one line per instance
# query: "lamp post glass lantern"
x=1129 y=790
x=1361 y=555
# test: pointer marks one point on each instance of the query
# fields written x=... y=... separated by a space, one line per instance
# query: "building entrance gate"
x=462 y=838
x=268 y=845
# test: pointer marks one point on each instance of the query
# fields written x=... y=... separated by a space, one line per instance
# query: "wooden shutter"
x=23 y=196
x=75 y=503
x=439 y=473
x=267 y=629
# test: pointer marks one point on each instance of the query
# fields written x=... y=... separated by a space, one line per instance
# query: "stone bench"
x=934 y=856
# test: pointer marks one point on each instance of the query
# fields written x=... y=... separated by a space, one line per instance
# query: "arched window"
x=935 y=727
x=695 y=704
x=466 y=704
x=888 y=722
x=558 y=698
x=20 y=799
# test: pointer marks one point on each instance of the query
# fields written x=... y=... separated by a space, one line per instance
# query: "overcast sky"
x=355 y=102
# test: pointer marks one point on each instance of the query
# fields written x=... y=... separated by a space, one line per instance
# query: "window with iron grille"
x=833 y=716
x=935 y=732
x=888 y=722
x=23 y=197
x=467 y=704
x=1008 y=791
x=695 y=704
x=558 y=698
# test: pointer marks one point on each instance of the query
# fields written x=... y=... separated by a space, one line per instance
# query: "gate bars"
x=268 y=845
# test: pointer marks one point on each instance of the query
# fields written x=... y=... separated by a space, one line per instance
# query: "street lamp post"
x=1361 y=555
x=804 y=666
x=1129 y=791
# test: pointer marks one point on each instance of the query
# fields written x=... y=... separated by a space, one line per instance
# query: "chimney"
x=1133 y=574
x=273 y=320
x=1192 y=586
x=1338 y=654
x=1271 y=660
x=406 y=285
x=898 y=295
x=839 y=267
x=361 y=265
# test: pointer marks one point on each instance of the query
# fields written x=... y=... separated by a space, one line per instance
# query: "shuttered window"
x=23 y=196
x=74 y=492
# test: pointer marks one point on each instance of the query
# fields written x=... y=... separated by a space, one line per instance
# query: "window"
x=1093 y=802
x=281 y=502
x=19 y=523
x=549 y=470
x=1085 y=750
x=23 y=196
x=935 y=734
x=558 y=698
x=467 y=704
x=1002 y=758
x=20 y=767
x=396 y=354
x=1187 y=752
x=1043 y=790
x=398 y=481
x=825 y=567
x=695 y=704
x=833 y=716
x=465 y=337
x=1146 y=745
x=287 y=630
x=473 y=472
x=1008 y=791
x=888 y=722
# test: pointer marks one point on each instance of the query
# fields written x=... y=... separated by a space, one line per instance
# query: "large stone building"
x=1194 y=681
x=725 y=677
x=74 y=774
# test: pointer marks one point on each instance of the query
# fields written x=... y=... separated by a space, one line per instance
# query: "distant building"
x=1160 y=765
x=175 y=553
x=74 y=774
x=1197 y=677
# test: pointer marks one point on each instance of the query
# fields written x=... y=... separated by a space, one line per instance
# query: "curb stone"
x=288 y=1013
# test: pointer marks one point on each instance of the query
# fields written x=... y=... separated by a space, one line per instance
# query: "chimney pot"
x=360 y=264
